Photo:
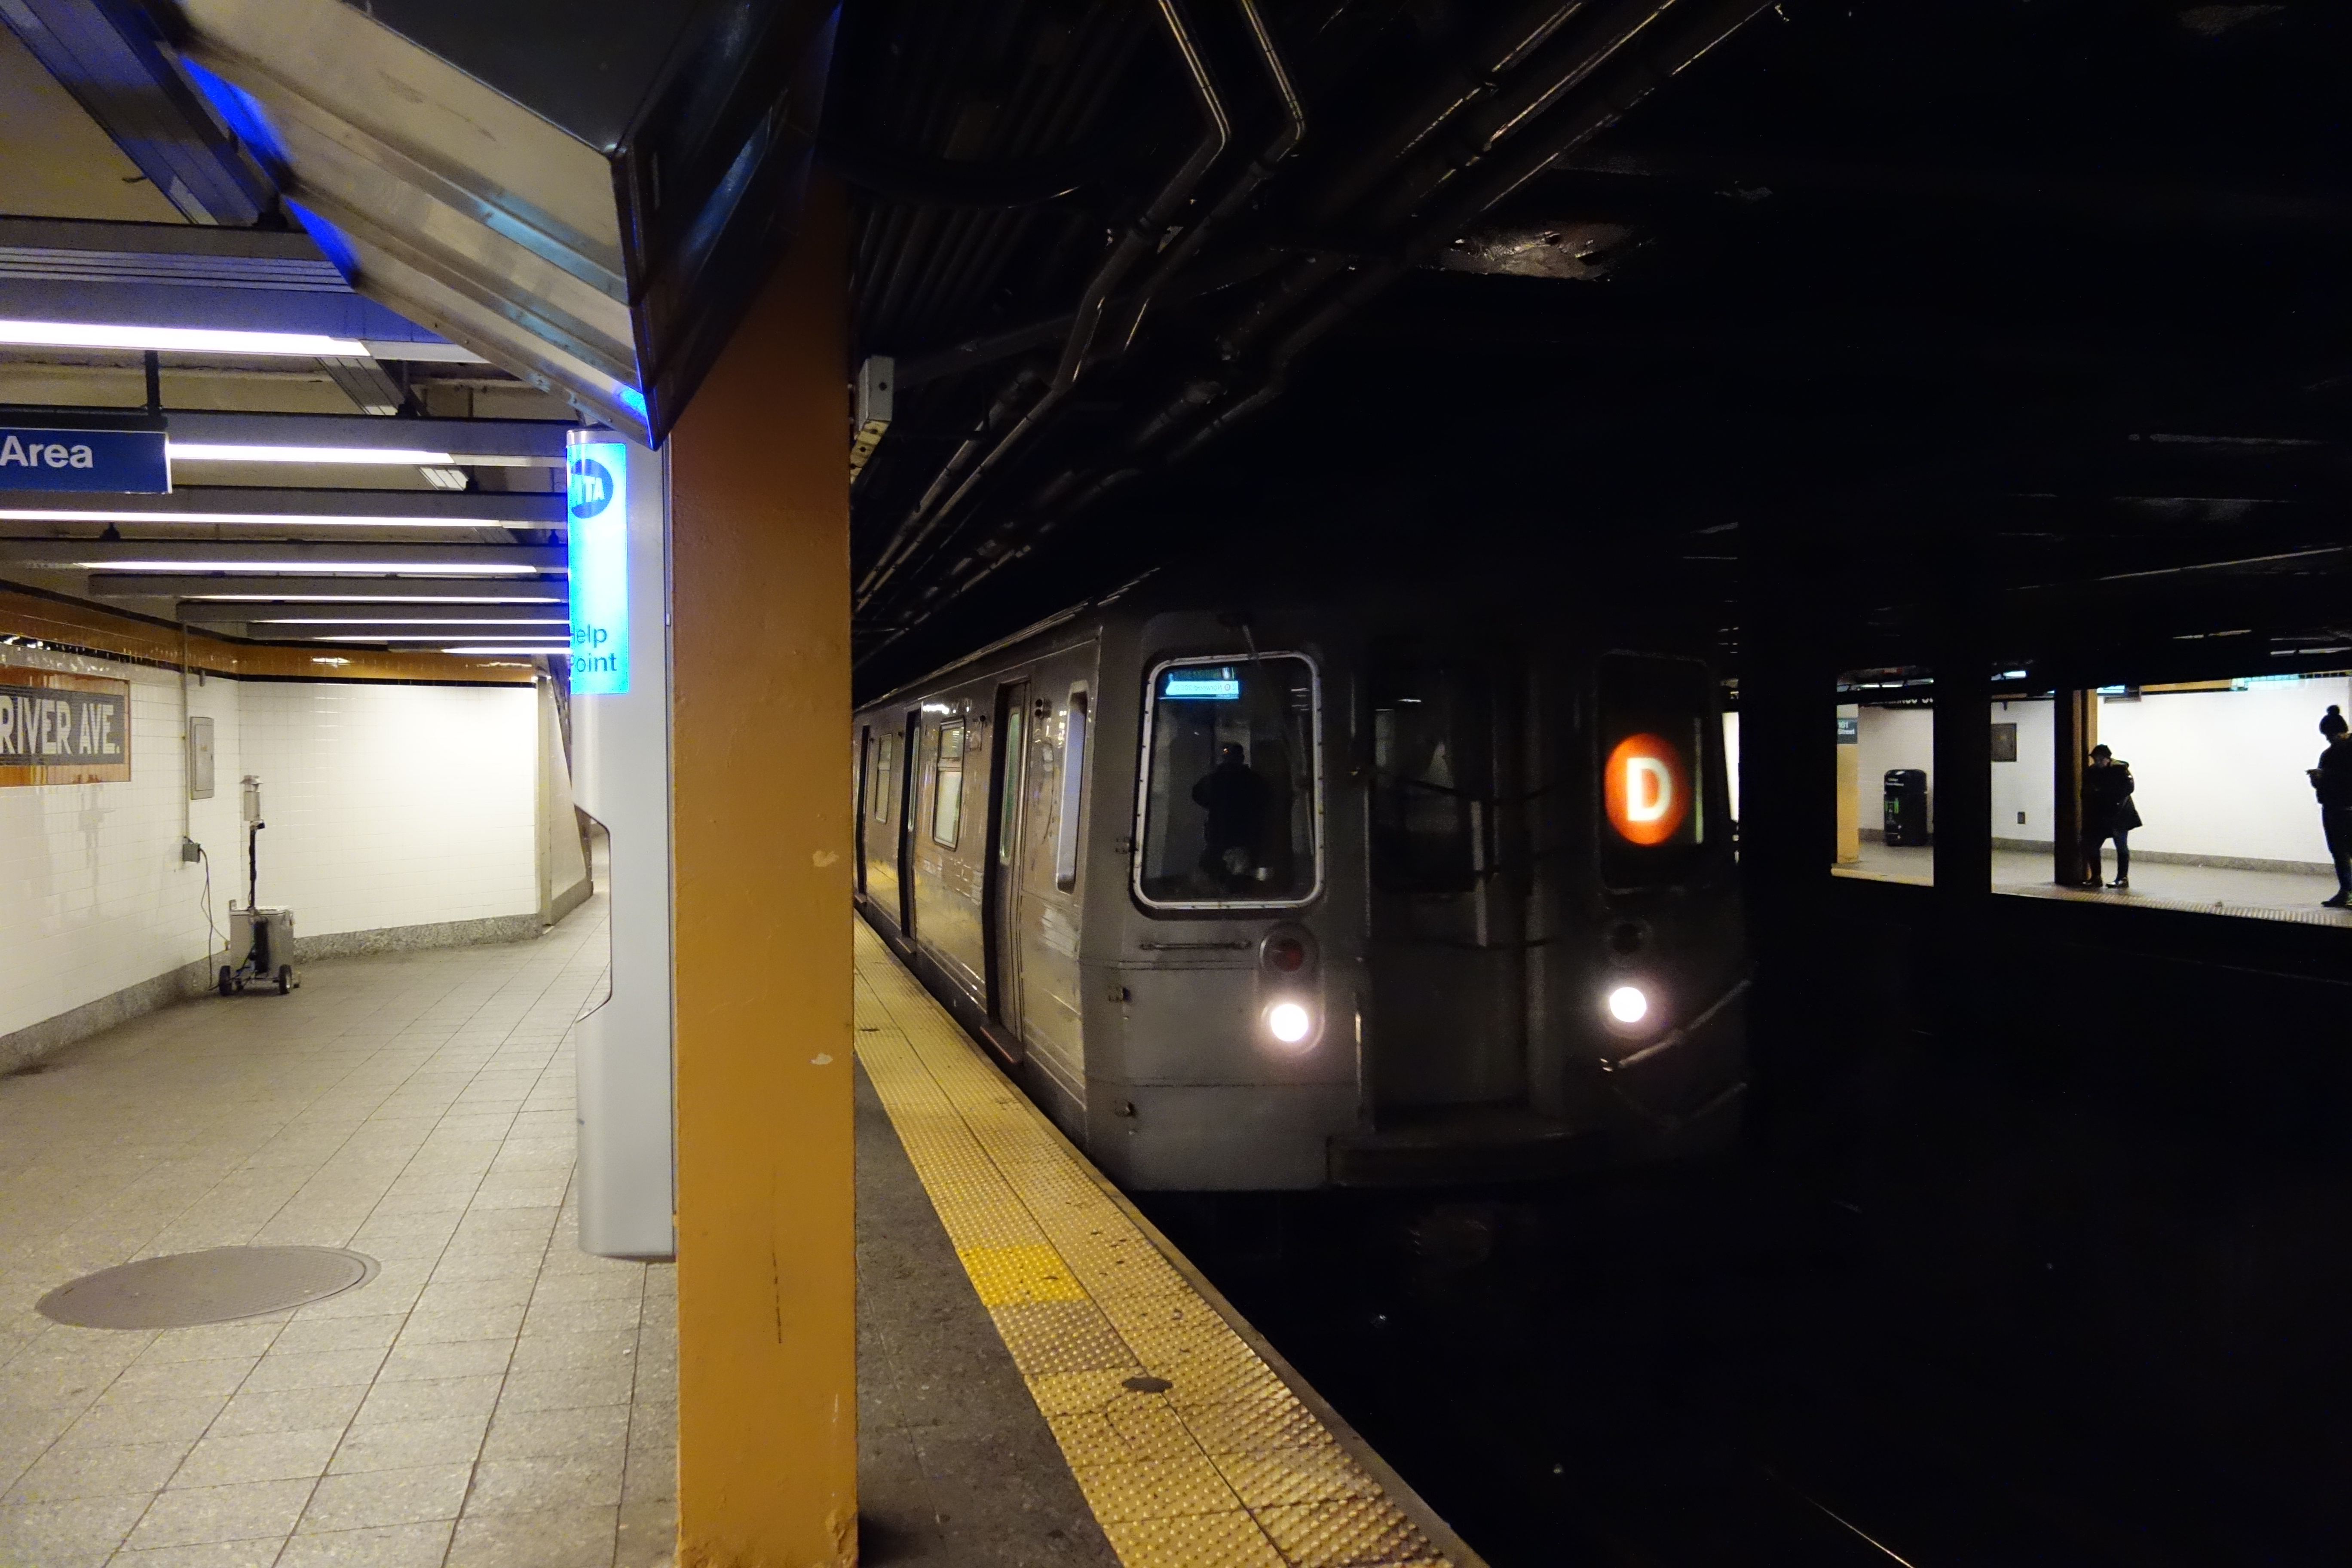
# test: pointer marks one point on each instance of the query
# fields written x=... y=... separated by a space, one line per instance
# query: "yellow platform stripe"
x=1224 y=1465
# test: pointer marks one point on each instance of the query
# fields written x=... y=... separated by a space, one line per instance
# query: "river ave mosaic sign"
x=63 y=729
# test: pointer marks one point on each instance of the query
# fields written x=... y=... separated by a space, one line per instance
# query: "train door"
x=1052 y=825
x=910 y=746
x=1447 y=1020
x=1002 y=893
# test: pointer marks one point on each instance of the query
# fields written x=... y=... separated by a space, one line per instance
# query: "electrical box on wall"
x=200 y=759
x=620 y=762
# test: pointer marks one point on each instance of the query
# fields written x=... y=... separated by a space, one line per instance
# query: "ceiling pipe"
x=1147 y=232
x=1128 y=321
x=1124 y=321
x=1503 y=162
x=1682 y=47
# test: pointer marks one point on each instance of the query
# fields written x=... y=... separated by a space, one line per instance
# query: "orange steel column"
x=759 y=661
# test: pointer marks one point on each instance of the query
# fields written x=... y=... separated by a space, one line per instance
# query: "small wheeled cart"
x=260 y=942
x=260 y=950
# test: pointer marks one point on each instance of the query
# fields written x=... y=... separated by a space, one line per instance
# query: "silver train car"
x=1298 y=896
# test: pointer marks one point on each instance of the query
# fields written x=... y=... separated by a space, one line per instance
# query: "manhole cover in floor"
x=211 y=1287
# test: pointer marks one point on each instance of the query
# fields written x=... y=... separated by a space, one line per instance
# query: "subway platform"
x=1042 y=1380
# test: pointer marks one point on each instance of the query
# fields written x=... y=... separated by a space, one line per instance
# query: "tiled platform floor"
x=2213 y=889
x=494 y=1398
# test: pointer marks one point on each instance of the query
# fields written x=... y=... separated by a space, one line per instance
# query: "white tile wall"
x=392 y=806
x=387 y=806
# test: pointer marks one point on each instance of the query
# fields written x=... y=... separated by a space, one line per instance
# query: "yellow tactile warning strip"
x=1188 y=1444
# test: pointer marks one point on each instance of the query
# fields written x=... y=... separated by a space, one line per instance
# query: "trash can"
x=1907 y=806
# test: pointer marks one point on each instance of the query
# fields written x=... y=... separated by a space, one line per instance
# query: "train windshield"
x=1232 y=785
x=1651 y=747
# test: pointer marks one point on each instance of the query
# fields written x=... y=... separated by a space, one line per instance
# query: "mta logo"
x=591 y=488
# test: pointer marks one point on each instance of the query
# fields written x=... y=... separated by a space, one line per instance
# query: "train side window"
x=882 y=779
x=1429 y=779
x=1074 y=772
x=947 y=793
x=1651 y=752
x=1229 y=803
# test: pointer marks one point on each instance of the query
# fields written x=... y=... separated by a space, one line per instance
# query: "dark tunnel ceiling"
x=2064 y=276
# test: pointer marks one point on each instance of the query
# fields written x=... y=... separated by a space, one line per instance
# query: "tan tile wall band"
x=1215 y=1458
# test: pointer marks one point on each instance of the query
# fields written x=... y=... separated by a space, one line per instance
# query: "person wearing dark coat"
x=2108 y=813
x=1235 y=799
x=2332 y=782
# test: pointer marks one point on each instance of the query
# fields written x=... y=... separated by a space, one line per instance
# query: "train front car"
x=1408 y=909
x=1295 y=896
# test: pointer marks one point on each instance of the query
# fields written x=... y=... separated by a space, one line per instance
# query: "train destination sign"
x=63 y=729
x=119 y=462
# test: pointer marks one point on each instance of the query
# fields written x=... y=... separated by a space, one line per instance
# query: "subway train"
x=1288 y=894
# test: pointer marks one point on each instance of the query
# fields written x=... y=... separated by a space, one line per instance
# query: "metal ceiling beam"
x=326 y=620
x=541 y=439
x=244 y=556
x=106 y=53
x=169 y=274
x=198 y=504
x=332 y=590
x=600 y=228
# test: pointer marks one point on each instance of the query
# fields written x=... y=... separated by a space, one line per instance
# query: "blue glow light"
x=631 y=399
x=329 y=239
x=1221 y=686
x=244 y=116
x=597 y=504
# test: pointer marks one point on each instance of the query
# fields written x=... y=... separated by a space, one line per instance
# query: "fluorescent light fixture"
x=443 y=636
x=442 y=621
x=264 y=519
x=546 y=651
x=313 y=568
x=217 y=452
x=176 y=340
x=241 y=594
x=388 y=457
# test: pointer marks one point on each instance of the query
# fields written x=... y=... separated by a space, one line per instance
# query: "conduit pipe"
x=1682 y=47
x=1147 y=232
x=1127 y=320
x=1285 y=141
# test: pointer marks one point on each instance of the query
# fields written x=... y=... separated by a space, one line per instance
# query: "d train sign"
x=1646 y=786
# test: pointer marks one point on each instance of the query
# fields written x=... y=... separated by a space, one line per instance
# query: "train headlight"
x=1291 y=1023
x=1628 y=1005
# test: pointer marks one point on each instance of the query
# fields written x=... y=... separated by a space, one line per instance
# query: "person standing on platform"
x=2332 y=782
x=2108 y=813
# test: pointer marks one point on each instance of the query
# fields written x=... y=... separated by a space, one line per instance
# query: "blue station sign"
x=121 y=462
x=596 y=514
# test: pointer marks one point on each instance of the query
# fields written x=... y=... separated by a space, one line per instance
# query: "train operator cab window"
x=947 y=794
x=1651 y=747
x=1231 y=788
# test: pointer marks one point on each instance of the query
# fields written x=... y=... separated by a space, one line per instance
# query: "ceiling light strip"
x=176 y=340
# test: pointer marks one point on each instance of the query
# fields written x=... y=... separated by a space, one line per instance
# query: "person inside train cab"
x=2108 y=813
x=1235 y=797
x=2332 y=782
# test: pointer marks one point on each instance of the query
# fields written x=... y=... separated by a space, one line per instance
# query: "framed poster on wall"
x=63 y=729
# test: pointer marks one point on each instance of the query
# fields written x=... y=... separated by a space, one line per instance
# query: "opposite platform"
x=1189 y=1440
